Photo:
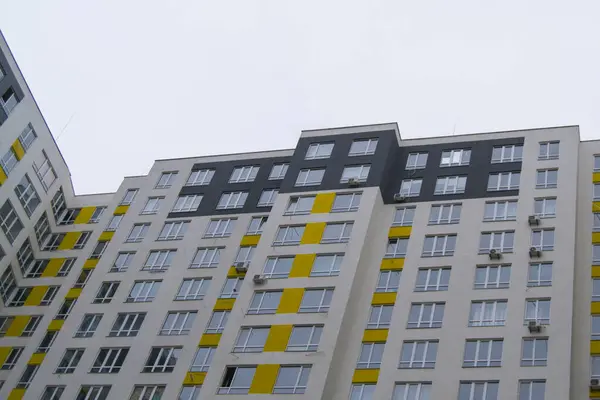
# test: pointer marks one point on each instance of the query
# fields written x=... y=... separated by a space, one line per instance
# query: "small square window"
x=549 y=150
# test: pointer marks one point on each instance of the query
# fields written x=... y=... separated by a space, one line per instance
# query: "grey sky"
x=147 y=79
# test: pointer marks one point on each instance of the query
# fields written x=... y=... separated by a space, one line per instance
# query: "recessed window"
x=380 y=317
x=363 y=147
x=450 y=185
x=178 y=323
x=327 y=265
x=537 y=310
x=187 y=203
x=232 y=200
x=337 y=232
x=426 y=315
x=69 y=361
x=114 y=222
x=483 y=353
x=452 y=158
x=508 y=153
x=206 y=257
x=12 y=358
x=488 y=313
x=138 y=233
x=278 y=267
x=143 y=291
x=46 y=342
x=310 y=177
x=549 y=150
x=9 y=222
x=316 y=300
x=88 y=325
x=231 y=288
x=265 y=302
x=478 y=390
x=318 y=151
x=152 y=206
x=93 y=392
x=9 y=161
x=251 y=340
x=237 y=380
x=502 y=242
x=166 y=180
x=445 y=214
x=409 y=391
x=300 y=205
x=439 y=245
x=370 y=356
x=492 y=277
x=159 y=260
x=127 y=324
x=106 y=292
x=595 y=327
x=53 y=392
x=9 y=101
x=416 y=161
x=404 y=216
x=128 y=197
x=217 y=322
x=123 y=261
x=109 y=360
x=202 y=359
x=596 y=163
x=542 y=239
x=396 y=248
x=546 y=178
x=278 y=171
x=200 y=178
x=500 y=211
x=288 y=235
x=244 y=174
x=364 y=392
x=532 y=390
x=32 y=325
x=193 y=289
x=432 y=279
x=220 y=228
x=173 y=230
x=539 y=274
x=411 y=187
x=545 y=207
x=256 y=225
x=503 y=181
x=359 y=173
x=418 y=354
x=27 y=195
x=267 y=198
x=534 y=352
x=162 y=359
x=388 y=281
x=305 y=338
x=95 y=218
x=27 y=377
x=147 y=392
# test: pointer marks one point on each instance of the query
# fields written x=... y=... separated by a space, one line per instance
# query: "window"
x=82 y=279
x=42 y=229
x=288 y=235
x=539 y=274
x=300 y=205
x=500 y=211
x=357 y=172
x=264 y=302
x=483 y=353
x=12 y=358
x=65 y=309
x=95 y=392
x=256 y=225
x=162 y=359
x=128 y=198
x=542 y=239
x=411 y=391
x=310 y=177
x=206 y=257
x=388 y=281
x=243 y=174
x=337 y=232
x=451 y=158
x=219 y=228
x=404 y=216
x=178 y=323
x=9 y=161
x=380 y=317
x=595 y=327
x=166 y=180
x=127 y=324
x=595 y=254
x=9 y=222
x=370 y=356
x=88 y=325
x=432 y=279
x=439 y=245
x=549 y=150
x=217 y=322
x=508 y=153
x=450 y=185
x=595 y=366
x=445 y=214
x=143 y=291
x=537 y=310
x=411 y=187
x=200 y=178
x=82 y=240
x=123 y=261
x=595 y=289
x=49 y=295
x=500 y=241
x=27 y=377
x=534 y=352
x=327 y=265
x=138 y=232
x=492 y=277
x=147 y=392
x=69 y=361
x=231 y=288
x=99 y=249
x=251 y=340
x=362 y=391
x=292 y=379
x=488 y=313
x=8 y=284
x=187 y=203
x=44 y=171
x=53 y=392
x=278 y=171
x=503 y=181
x=237 y=380
x=426 y=315
x=546 y=178
x=232 y=200
x=59 y=207
x=9 y=101
x=27 y=195
x=66 y=267
x=114 y=222
x=152 y=205
x=532 y=390
x=418 y=354
x=346 y=202
x=173 y=230
x=363 y=147
x=318 y=150
x=545 y=207
x=5 y=323
x=479 y=390
x=96 y=215
x=159 y=260
x=267 y=198
x=278 y=267
x=193 y=289
x=202 y=359
x=396 y=248
x=305 y=338
x=416 y=161
x=109 y=360
x=18 y=299
x=31 y=326
x=27 y=136
x=316 y=300
x=106 y=292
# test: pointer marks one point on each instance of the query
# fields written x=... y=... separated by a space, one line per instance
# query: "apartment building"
x=358 y=265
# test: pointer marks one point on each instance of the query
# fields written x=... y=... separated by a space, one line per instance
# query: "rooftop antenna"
x=65 y=127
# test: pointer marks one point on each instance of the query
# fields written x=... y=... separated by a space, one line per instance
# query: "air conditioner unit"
x=259 y=279
x=534 y=252
x=595 y=384
x=241 y=267
x=533 y=220
x=534 y=327
x=399 y=198
x=494 y=254
x=353 y=182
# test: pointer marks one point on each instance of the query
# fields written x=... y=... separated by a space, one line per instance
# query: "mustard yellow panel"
x=210 y=340
x=392 y=263
x=16 y=394
x=232 y=273
x=302 y=265
x=36 y=295
x=290 y=301
x=595 y=307
x=596 y=177
x=365 y=376
x=250 y=240
x=90 y=263
x=594 y=395
x=18 y=149
x=399 y=231
x=323 y=203
x=73 y=293
x=375 y=335
x=194 y=378
x=224 y=304
x=120 y=210
x=69 y=240
x=84 y=215
x=17 y=326
x=264 y=379
x=3 y=176
x=53 y=267
x=4 y=352
x=56 y=324
x=278 y=337
x=595 y=237
x=595 y=271
x=313 y=232
x=594 y=346
x=36 y=358
x=596 y=206
x=106 y=236
x=384 y=298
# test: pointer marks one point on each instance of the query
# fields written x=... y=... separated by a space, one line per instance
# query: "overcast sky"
x=122 y=83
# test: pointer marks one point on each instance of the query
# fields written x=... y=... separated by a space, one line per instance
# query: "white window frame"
x=411 y=187
x=423 y=354
x=93 y=392
x=411 y=391
x=128 y=197
x=301 y=380
x=503 y=210
x=484 y=350
x=473 y=391
x=217 y=321
x=488 y=313
x=27 y=136
x=444 y=214
x=88 y=325
x=370 y=355
x=267 y=198
x=375 y=316
x=450 y=185
x=201 y=177
x=388 y=281
x=508 y=153
x=273 y=267
x=423 y=320
x=27 y=195
x=297 y=342
x=289 y=230
x=53 y=392
x=543 y=178
x=455 y=157
x=256 y=225
x=436 y=279
x=178 y=323
x=192 y=289
x=246 y=173
x=138 y=233
x=106 y=292
x=259 y=297
x=511 y=185
x=206 y=257
x=319 y=151
x=415 y=161
x=359 y=173
x=159 y=260
x=546 y=150
x=352 y=205
x=232 y=200
x=154 y=392
x=540 y=207
x=528 y=388
x=231 y=288
x=125 y=258
x=342 y=237
x=10 y=223
x=323 y=305
x=166 y=179
x=152 y=205
x=144 y=291
x=114 y=222
x=537 y=313
x=369 y=149
x=127 y=324
x=333 y=261
x=251 y=339
x=109 y=363
x=444 y=251
x=292 y=207
x=506 y=245
x=278 y=171
x=404 y=216
x=232 y=389
x=12 y=359
x=173 y=230
x=69 y=361
x=219 y=228
x=202 y=359
x=494 y=276
x=543 y=239
x=396 y=248
x=160 y=359
x=534 y=274
x=187 y=203
x=539 y=352
x=306 y=177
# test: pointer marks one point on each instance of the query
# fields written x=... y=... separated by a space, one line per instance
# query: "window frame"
x=498 y=313
x=369 y=150
x=206 y=175
x=316 y=147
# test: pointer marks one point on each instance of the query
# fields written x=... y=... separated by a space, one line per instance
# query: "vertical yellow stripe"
x=4 y=352
x=302 y=265
x=84 y=215
x=3 y=176
x=278 y=337
x=54 y=265
x=17 y=326
x=313 y=233
x=36 y=295
x=18 y=149
x=264 y=379
x=323 y=203
x=290 y=301
x=69 y=240
x=16 y=394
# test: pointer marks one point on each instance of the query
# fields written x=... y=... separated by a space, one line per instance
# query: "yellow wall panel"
x=313 y=233
x=302 y=265
x=232 y=273
x=365 y=376
x=596 y=271
x=594 y=395
x=278 y=337
x=250 y=240
x=18 y=149
x=17 y=326
x=323 y=203
x=69 y=240
x=56 y=324
x=375 y=335
x=90 y=263
x=73 y=293
x=84 y=215
x=290 y=301
x=596 y=177
x=399 y=231
x=384 y=298
x=194 y=378
x=392 y=263
x=120 y=210
x=36 y=358
x=595 y=237
x=264 y=379
x=596 y=206
x=4 y=352
x=36 y=295
x=106 y=236
x=3 y=176
x=595 y=308
x=210 y=340
x=53 y=267
x=16 y=394
x=594 y=346
x=224 y=304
